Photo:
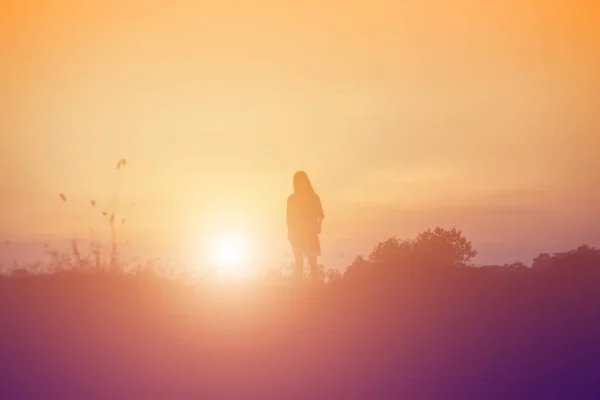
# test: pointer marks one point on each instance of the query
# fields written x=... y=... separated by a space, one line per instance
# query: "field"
x=415 y=334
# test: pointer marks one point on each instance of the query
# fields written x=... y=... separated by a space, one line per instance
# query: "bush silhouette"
x=583 y=258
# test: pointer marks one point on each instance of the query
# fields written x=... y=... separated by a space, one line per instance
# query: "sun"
x=228 y=254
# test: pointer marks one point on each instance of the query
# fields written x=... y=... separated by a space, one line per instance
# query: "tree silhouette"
x=437 y=248
x=582 y=258
x=443 y=248
x=542 y=261
x=358 y=269
x=392 y=252
x=516 y=265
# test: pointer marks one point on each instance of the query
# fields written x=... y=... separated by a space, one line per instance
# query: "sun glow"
x=229 y=255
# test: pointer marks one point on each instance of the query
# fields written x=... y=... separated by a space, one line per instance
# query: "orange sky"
x=406 y=114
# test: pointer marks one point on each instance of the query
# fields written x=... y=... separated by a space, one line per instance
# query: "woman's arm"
x=288 y=211
x=320 y=213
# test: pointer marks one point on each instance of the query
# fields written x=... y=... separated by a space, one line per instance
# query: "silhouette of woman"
x=304 y=217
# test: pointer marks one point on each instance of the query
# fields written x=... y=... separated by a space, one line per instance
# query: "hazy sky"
x=406 y=114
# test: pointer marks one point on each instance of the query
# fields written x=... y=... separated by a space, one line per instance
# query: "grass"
x=461 y=333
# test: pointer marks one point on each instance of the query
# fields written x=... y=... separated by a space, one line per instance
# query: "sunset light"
x=228 y=254
x=300 y=199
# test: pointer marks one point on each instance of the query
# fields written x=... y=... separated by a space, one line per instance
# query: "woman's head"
x=302 y=183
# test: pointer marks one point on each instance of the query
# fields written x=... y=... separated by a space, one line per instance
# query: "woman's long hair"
x=302 y=184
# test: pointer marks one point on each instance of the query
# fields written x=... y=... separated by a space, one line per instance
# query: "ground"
x=461 y=335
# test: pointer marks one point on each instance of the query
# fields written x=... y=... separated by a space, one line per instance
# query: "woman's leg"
x=299 y=265
x=314 y=269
